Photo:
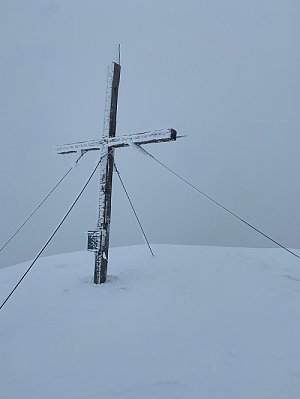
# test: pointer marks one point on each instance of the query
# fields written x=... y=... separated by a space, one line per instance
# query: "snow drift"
x=195 y=322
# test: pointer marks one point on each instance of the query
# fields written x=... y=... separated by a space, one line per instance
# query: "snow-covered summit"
x=195 y=322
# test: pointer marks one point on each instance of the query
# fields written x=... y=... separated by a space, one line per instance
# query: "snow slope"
x=195 y=322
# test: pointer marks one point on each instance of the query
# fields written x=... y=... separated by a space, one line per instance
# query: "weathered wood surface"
x=106 y=174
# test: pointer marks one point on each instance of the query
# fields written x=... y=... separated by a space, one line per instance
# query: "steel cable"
x=219 y=205
x=54 y=232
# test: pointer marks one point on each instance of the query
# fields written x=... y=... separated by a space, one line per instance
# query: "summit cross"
x=98 y=240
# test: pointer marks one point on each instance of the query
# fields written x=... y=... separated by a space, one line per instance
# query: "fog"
x=225 y=74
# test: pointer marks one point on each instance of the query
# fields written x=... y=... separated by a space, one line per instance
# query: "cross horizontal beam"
x=155 y=136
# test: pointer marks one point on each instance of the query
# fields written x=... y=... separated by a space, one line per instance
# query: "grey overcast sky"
x=224 y=73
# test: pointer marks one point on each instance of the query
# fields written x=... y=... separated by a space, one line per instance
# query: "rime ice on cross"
x=98 y=240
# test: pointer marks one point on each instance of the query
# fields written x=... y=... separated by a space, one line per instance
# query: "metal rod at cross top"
x=98 y=240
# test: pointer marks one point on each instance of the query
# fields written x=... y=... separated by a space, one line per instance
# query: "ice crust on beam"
x=155 y=136
x=108 y=98
x=103 y=164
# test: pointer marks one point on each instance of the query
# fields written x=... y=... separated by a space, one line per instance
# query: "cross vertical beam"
x=106 y=175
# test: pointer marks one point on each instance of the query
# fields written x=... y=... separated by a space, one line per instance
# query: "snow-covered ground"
x=195 y=322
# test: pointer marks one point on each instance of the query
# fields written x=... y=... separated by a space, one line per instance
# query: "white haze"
x=226 y=74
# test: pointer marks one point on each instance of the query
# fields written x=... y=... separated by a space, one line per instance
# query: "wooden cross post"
x=98 y=240
x=107 y=167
